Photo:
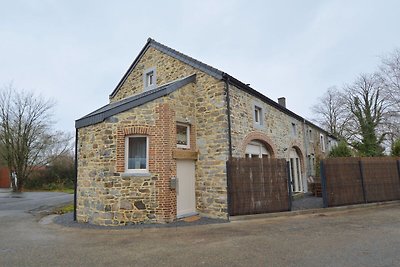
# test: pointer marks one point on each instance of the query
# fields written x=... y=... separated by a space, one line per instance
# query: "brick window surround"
x=121 y=134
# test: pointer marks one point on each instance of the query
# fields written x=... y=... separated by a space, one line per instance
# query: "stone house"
x=158 y=150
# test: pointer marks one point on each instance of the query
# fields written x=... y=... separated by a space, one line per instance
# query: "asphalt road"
x=31 y=201
x=359 y=237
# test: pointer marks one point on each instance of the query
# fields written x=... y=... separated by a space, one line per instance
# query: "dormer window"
x=149 y=79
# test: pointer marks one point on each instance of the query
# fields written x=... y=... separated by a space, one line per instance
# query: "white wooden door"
x=185 y=193
x=295 y=171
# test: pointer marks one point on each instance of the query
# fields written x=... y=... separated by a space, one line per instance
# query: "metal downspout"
x=76 y=172
x=306 y=161
x=228 y=106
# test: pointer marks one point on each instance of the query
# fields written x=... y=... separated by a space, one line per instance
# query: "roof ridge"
x=155 y=43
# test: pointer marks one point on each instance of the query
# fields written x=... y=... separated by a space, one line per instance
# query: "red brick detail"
x=164 y=141
x=121 y=133
x=259 y=136
x=120 y=163
x=136 y=130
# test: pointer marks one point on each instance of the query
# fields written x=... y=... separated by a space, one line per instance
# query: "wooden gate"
x=257 y=185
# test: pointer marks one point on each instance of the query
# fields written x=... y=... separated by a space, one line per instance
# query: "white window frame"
x=149 y=79
x=258 y=115
x=126 y=156
x=310 y=136
x=293 y=129
x=146 y=75
x=187 y=136
x=322 y=142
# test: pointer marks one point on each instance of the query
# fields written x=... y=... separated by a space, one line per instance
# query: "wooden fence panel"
x=381 y=179
x=343 y=183
x=257 y=186
x=360 y=180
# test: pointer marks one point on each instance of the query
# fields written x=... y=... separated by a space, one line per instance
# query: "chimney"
x=282 y=101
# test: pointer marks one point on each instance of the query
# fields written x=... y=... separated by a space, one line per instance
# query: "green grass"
x=65 y=209
x=62 y=190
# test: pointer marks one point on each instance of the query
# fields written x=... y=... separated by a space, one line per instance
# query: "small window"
x=182 y=135
x=257 y=115
x=294 y=131
x=322 y=142
x=149 y=79
x=136 y=154
x=310 y=135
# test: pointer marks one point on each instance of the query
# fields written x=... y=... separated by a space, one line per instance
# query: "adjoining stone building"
x=172 y=116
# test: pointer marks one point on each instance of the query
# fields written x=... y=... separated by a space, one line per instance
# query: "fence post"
x=398 y=170
x=360 y=164
x=289 y=185
x=323 y=184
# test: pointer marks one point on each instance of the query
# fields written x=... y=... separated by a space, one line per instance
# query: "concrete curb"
x=5 y=190
x=312 y=211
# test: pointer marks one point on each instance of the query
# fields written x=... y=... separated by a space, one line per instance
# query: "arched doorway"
x=257 y=149
x=295 y=170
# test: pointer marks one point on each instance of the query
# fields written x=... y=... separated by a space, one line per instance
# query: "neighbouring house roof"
x=112 y=109
x=214 y=72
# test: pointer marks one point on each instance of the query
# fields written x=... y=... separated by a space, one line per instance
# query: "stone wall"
x=208 y=102
x=167 y=69
x=276 y=130
x=276 y=125
x=107 y=195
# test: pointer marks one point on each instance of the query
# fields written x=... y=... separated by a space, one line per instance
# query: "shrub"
x=57 y=176
x=396 y=148
x=341 y=150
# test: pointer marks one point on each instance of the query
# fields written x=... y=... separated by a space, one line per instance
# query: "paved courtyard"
x=358 y=237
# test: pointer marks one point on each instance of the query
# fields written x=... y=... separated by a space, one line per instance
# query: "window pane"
x=137 y=153
x=257 y=115
x=181 y=135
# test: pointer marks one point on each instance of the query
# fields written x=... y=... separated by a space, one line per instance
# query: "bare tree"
x=331 y=113
x=370 y=106
x=390 y=74
x=26 y=134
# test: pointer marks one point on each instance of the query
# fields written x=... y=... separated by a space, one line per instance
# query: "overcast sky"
x=75 y=52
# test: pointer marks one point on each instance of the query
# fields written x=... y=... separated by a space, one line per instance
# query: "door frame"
x=186 y=189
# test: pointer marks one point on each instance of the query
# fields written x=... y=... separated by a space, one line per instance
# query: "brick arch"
x=136 y=130
x=121 y=133
x=261 y=137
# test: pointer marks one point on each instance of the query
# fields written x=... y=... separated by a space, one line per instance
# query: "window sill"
x=258 y=126
x=135 y=174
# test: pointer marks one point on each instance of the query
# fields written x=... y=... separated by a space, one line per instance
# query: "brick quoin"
x=165 y=165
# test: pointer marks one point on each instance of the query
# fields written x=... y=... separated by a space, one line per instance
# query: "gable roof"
x=112 y=109
x=214 y=72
